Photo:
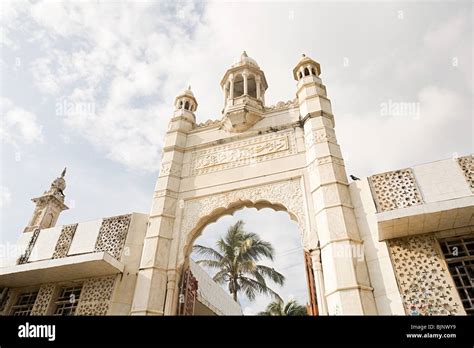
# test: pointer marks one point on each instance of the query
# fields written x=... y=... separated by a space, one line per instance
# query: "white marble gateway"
x=386 y=244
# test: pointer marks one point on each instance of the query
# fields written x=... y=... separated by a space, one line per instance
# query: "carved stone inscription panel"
x=236 y=154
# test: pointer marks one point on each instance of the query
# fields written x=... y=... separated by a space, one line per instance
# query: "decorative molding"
x=209 y=123
x=330 y=159
x=319 y=136
x=424 y=281
x=26 y=255
x=284 y=195
x=395 y=190
x=170 y=168
x=43 y=300
x=112 y=235
x=64 y=241
x=281 y=105
x=240 y=153
x=95 y=296
x=165 y=192
x=467 y=165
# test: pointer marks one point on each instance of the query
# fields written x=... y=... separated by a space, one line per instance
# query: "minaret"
x=341 y=248
x=154 y=275
x=49 y=205
x=185 y=104
x=244 y=86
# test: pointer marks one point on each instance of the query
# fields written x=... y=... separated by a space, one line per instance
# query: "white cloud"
x=5 y=196
x=18 y=125
x=406 y=139
x=447 y=34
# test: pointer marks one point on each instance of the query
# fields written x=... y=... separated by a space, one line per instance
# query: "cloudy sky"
x=90 y=85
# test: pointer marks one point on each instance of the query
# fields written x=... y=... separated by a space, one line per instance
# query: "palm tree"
x=278 y=308
x=235 y=260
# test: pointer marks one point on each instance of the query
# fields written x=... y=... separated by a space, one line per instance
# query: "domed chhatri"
x=306 y=67
x=244 y=85
x=186 y=101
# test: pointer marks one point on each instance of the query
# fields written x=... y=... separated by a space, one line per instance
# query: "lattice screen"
x=43 y=300
x=95 y=296
x=423 y=278
x=26 y=255
x=64 y=241
x=395 y=190
x=467 y=166
x=112 y=235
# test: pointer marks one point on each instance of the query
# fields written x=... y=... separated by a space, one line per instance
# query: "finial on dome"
x=64 y=172
x=303 y=55
x=189 y=87
x=244 y=54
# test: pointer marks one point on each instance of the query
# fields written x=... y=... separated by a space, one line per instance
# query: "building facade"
x=400 y=242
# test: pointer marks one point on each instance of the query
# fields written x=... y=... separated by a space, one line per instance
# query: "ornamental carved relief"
x=95 y=296
x=236 y=154
x=64 y=241
x=112 y=235
x=284 y=195
x=467 y=165
x=281 y=105
x=170 y=168
x=209 y=123
x=320 y=136
x=26 y=255
x=424 y=281
x=43 y=300
x=395 y=190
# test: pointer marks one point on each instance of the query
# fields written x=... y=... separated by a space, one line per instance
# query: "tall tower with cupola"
x=335 y=219
x=49 y=205
x=244 y=87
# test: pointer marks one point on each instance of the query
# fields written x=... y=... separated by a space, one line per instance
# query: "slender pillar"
x=231 y=88
x=259 y=93
x=245 y=75
x=154 y=277
x=319 y=280
x=346 y=282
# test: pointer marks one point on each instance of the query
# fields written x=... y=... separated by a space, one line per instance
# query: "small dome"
x=188 y=92
x=245 y=59
x=306 y=61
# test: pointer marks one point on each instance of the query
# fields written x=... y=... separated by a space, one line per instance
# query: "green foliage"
x=236 y=260
x=278 y=308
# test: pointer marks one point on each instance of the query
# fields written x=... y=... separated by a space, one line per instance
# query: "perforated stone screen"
x=467 y=166
x=43 y=300
x=64 y=241
x=395 y=190
x=423 y=278
x=112 y=235
x=95 y=296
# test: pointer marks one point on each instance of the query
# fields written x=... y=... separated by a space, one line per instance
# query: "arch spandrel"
x=283 y=195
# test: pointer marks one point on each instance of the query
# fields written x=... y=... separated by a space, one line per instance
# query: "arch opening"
x=273 y=223
x=238 y=86
x=251 y=86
